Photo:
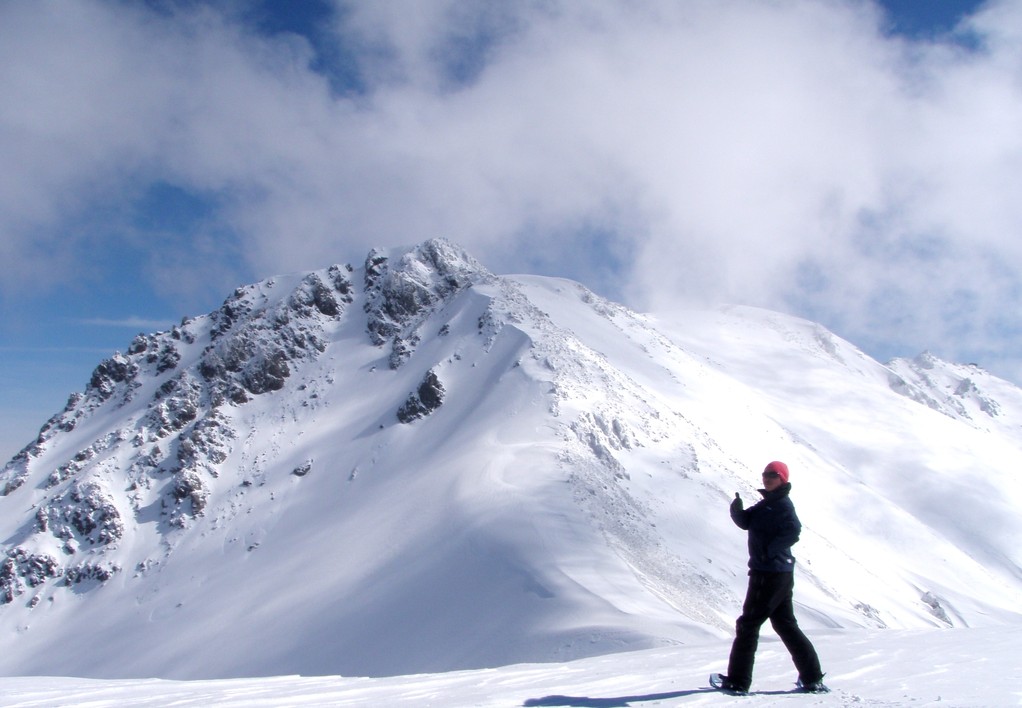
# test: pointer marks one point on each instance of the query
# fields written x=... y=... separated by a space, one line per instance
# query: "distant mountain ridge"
x=417 y=465
x=963 y=391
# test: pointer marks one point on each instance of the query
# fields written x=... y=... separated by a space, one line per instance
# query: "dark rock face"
x=200 y=450
x=100 y=572
x=175 y=405
x=254 y=343
x=116 y=370
x=160 y=352
x=329 y=300
x=400 y=296
x=424 y=400
x=266 y=372
x=14 y=473
x=190 y=494
x=85 y=514
x=21 y=569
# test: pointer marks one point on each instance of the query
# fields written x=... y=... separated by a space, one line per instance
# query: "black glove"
x=737 y=504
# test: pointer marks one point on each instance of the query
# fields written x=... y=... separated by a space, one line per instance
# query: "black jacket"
x=773 y=529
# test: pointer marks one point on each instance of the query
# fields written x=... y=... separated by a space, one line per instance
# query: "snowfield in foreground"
x=953 y=667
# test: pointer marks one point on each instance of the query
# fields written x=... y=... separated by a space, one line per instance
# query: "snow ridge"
x=417 y=465
x=965 y=392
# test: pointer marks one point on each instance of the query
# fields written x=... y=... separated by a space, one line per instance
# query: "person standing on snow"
x=773 y=528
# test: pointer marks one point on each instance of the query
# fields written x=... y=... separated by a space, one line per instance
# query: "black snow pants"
x=770 y=598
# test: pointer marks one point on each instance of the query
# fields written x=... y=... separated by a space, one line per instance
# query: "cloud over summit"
x=795 y=155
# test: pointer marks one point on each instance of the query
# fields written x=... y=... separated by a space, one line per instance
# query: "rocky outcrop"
x=958 y=391
x=83 y=515
x=402 y=294
x=256 y=339
x=21 y=569
x=200 y=451
x=14 y=473
x=160 y=352
x=98 y=571
x=112 y=375
x=422 y=401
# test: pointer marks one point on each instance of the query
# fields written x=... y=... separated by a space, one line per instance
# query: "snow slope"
x=962 y=667
x=418 y=466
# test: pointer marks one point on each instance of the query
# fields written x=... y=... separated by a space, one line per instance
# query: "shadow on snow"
x=616 y=702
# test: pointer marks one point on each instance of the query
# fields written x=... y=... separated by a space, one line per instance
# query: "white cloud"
x=786 y=154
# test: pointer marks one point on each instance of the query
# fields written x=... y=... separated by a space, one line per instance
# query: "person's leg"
x=803 y=654
x=755 y=612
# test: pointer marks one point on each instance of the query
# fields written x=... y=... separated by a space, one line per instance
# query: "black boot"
x=723 y=683
x=816 y=686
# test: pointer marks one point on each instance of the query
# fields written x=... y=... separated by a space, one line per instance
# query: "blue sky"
x=856 y=163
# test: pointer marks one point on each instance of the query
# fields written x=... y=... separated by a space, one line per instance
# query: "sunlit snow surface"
x=962 y=667
x=567 y=500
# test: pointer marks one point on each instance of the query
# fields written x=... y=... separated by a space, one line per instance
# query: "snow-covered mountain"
x=416 y=465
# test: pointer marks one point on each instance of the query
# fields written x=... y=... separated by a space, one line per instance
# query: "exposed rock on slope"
x=174 y=399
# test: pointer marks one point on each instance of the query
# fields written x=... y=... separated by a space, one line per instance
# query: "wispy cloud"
x=52 y=349
x=138 y=323
x=791 y=155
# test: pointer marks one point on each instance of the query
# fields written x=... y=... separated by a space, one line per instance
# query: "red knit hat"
x=780 y=468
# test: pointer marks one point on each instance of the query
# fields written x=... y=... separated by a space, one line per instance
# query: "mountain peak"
x=965 y=392
x=403 y=289
x=166 y=410
x=417 y=465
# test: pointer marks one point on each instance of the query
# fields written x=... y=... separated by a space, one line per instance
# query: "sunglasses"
x=771 y=475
